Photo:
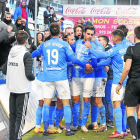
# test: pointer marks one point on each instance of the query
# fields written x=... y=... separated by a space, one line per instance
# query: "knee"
x=138 y=114
x=86 y=100
x=98 y=101
x=41 y=102
x=75 y=99
x=59 y=104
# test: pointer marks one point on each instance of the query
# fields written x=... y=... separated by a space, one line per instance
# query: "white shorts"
x=115 y=96
x=82 y=86
x=99 y=87
x=62 y=88
x=39 y=90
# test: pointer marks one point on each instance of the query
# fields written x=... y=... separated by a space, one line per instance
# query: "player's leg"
x=98 y=94
x=81 y=112
x=48 y=87
x=108 y=106
x=138 y=116
x=88 y=84
x=63 y=90
x=76 y=91
x=117 y=99
x=39 y=91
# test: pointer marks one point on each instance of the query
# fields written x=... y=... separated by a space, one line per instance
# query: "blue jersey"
x=127 y=42
x=99 y=72
x=55 y=53
x=116 y=54
x=84 y=55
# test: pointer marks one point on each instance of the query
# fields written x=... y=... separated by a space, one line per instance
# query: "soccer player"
x=97 y=107
x=132 y=96
x=18 y=69
x=55 y=54
x=82 y=83
x=116 y=54
x=78 y=31
x=107 y=99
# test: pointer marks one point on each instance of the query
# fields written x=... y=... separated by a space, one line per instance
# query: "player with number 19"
x=56 y=53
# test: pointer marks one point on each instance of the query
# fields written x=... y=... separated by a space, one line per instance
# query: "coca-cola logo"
x=79 y=10
x=104 y=10
x=130 y=11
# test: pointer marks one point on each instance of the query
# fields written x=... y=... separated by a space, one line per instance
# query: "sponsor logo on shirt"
x=12 y=64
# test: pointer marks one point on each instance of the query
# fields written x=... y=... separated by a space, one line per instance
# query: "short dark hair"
x=54 y=29
x=83 y=18
x=62 y=18
x=105 y=38
x=90 y=28
x=137 y=32
x=119 y=33
x=124 y=29
x=63 y=34
x=7 y=13
x=79 y=25
x=47 y=7
x=21 y=37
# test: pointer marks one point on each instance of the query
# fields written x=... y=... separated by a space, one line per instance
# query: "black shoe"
x=45 y=133
x=109 y=123
x=79 y=127
x=69 y=133
x=90 y=126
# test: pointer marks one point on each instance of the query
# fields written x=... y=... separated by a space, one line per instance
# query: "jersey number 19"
x=54 y=54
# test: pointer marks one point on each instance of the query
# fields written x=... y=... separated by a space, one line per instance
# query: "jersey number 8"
x=53 y=54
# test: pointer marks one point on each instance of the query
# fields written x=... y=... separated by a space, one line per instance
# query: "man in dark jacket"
x=21 y=25
x=47 y=16
x=3 y=7
x=31 y=6
x=85 y=22
x=8 y=21
x=19 y=66
x=5 y=44
x=107 y=99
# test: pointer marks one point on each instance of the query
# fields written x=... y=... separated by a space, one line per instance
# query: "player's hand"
x=106 y=69
x=9 y=28
x=87 y=44
x=89 y=71
x=88 y=67
x=118 y=89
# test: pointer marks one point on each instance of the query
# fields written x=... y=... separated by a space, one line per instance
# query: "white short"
x=99 y=87
x=115 y=96
x=82 y=86
x=39 y=90
x=62 y=88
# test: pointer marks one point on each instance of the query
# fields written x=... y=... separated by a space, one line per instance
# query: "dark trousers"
x=18 y=106
x=2 y=9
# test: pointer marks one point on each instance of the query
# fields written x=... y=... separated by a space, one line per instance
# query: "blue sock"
x=118 y=119
x=67 y=116
x=51 y=115
x=59 y=116
x=102 y=116
x=86 y=108
x=75 y=113
x=124 y=118
x=94 y=113
x=38 y=115
x=135 y=116
x=45 y=115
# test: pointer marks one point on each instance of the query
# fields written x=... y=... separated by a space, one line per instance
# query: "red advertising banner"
x=105 y=25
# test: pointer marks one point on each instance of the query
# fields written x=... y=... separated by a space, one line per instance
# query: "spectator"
x=69 y=31
x=31 y=6
x=40 y=39
x=61 y=23
x=53 y=17
x=2 y=8
x=21 y=11
x=61 y=35
x=21 y=25
x=20 y=67
x=8 y=21
x=18 y=3
x=46 y=34
x=78 y=22
x=11 y=1
x=78 y=31
x=85 y=22
x=5 y=44
x=47 y=16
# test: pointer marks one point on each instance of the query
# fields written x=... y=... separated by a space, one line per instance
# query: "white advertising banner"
x=101 y=10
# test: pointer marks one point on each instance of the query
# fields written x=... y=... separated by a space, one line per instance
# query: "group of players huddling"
x=74 y=74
